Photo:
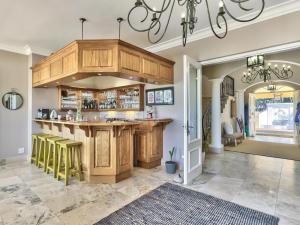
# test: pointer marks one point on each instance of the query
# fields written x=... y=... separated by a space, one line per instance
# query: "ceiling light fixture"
x=151 y=21
x=82 y=20
x=265 y=73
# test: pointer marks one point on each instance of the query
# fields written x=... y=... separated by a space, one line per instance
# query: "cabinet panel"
x=125 y=150
x=166 y=73
x=102 y=149
x=142 y=145
x=70 y=63
x=150 y=68
x=45 y=73
x=129 y=61
x=157 y=143
x=35 y=77
x=97 y=58
x=56 y=68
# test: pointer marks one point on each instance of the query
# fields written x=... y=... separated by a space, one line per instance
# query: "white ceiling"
x=47 y=25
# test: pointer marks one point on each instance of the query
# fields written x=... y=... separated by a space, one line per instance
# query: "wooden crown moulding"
x=85 y=58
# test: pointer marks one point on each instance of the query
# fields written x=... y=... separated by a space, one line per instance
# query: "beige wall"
x=236 y=68
x=13 y=124
x=41 y=97
x=276 y=31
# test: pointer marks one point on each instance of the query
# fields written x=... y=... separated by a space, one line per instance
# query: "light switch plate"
x=21 y=150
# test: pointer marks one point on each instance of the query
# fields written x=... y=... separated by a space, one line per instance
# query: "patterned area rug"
x=173 y=205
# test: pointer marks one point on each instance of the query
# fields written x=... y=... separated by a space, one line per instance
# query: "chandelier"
x=151 y=19
x=265 y=73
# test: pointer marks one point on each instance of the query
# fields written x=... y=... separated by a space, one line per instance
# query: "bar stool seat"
x=43 y=150
x=52 y=155
x=35 y=147
x=69 y=160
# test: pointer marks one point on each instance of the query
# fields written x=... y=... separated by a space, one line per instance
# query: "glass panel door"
x=193 y=103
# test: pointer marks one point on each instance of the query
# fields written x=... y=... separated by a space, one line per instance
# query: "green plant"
x=171 y=153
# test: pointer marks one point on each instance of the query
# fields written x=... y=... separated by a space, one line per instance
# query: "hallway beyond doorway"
x=274 y=139
x=271 y=149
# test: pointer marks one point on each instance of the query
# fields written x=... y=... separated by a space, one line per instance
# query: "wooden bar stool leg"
x=67 y=166
x=38 y=148
x=46 y=153
x=55 y=160
x=34 y=150
x=48 y=160
x=78 y=162
x=40 y=153
x=59 y=163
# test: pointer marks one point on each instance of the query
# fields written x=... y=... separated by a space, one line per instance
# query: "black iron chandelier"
x=151 y=19
x=265 y=73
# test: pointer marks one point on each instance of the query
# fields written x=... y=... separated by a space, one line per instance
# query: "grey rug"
x=173 y=205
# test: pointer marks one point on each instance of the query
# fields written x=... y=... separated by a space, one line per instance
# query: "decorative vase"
x=171 y=167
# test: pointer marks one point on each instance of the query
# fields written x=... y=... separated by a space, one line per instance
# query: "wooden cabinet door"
x=70 y=63
x=45 y=73
x=142 y=140
x=104 y=154
x=97 y=59
x=150 y=68
x=166 y=73
x=35 y=77
x=125 y=150
x=56 y=68
x=156 y=149
x=130 y=62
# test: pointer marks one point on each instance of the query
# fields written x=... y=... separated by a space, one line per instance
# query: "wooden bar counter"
x=149 y=140
x=107 y=151
x=107 y=148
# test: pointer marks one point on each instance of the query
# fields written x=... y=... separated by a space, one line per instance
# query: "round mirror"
x=12 y=100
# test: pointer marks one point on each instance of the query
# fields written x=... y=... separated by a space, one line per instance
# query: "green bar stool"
x=43 y=151
x=69 y=160
x=52 y=154
x=35 y=148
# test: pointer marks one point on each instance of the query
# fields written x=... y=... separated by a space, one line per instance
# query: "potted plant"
x=171 y=165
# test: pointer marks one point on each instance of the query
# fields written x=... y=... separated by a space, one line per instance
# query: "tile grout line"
x=278 y=187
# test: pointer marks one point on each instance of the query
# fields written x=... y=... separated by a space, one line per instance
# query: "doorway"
x=192 y=119
x=273 y=116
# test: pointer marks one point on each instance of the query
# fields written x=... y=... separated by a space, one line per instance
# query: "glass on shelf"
x=108 y=99
x=88 y=100
x=69 y=99
x=129 y=98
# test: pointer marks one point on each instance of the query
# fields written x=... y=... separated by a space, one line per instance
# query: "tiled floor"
x=28 y=196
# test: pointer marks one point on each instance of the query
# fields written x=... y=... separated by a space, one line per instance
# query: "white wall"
x=173 y=133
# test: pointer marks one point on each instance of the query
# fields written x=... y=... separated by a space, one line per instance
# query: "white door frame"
x=252 y=116
x=190 y=172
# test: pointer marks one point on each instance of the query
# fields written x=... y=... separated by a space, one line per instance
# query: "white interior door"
x=192 y=119
x=252 y=109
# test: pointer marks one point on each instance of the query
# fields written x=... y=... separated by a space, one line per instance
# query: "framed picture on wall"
x=160 y=96
x=150 y=97
x=227 y=86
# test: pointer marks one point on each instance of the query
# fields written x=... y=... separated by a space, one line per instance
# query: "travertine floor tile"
x=29 y=196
